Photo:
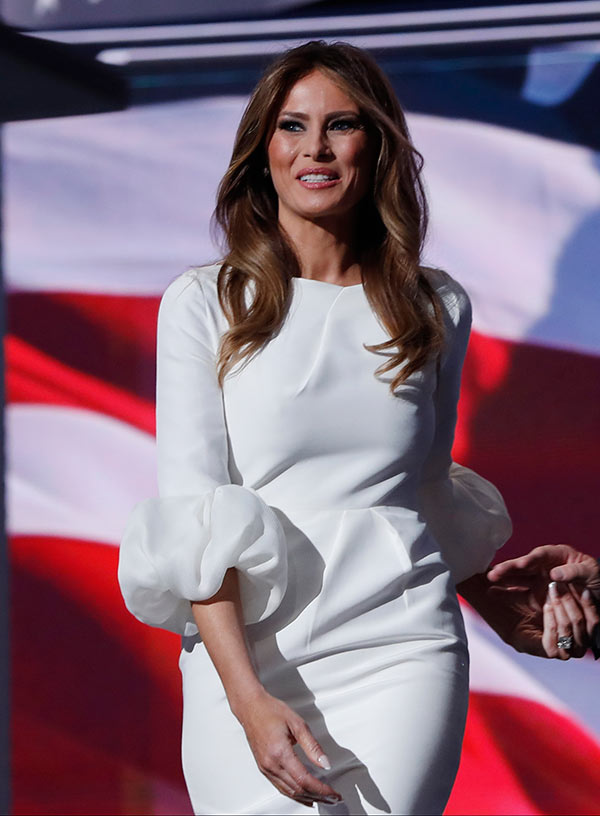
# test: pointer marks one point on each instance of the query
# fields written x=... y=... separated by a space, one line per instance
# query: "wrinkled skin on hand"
x=568 y=610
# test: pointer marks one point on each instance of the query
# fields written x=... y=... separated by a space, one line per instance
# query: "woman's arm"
x=271 y=726
x=464 y=511
x=208 y=556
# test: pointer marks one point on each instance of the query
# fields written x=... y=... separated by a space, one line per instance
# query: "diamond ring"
x=565 y=642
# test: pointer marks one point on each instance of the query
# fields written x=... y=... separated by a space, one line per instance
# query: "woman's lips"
x=318 y=181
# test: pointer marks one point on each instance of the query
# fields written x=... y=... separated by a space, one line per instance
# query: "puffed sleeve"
x=465 y=512
x=177 y=546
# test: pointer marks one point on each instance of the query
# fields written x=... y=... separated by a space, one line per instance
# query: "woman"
x=311 y=525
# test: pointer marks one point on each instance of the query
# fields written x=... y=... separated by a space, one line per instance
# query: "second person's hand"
x=272 y=728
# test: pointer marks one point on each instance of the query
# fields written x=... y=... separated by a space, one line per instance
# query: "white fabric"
x=467 y=515
x=182 y=546
x=323 y=489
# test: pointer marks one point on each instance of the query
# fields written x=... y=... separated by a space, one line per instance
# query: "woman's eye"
x=290 y=125
x=345 y=124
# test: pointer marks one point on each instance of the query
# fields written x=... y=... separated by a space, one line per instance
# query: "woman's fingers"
x=309 y=745
x=535 y=560
x=550 y=635
x=305 y=783
x=572 y=607
x=313 y=751
x=275 y=768
x=286 y=772
x=563 y=624
x=569 y=620
x=540 y=560
x=289 y=790
x=272 y=729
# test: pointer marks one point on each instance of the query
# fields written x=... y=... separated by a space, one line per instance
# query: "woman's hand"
x=568 y=614
x=569 y=610
x=530 y=618
x=550 y=562
x=272 y=728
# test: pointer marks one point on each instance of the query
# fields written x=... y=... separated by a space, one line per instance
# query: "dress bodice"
x=304 y=464
x=311 y=426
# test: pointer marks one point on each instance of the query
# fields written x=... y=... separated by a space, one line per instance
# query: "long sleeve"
x=465 y=512
x=177 y=547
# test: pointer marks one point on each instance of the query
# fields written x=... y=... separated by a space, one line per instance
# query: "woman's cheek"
x=281 y=151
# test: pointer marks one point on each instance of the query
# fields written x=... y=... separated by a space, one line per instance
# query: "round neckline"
x=328 y=283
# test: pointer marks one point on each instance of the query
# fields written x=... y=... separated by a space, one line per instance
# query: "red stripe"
x=112 y=338
x=35 y=377
x=528 y=421
x=521 y=757
x=96 y=695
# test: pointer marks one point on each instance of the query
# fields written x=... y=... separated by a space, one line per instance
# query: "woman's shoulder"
x=454 y=297
x=194 y=282
x=194 y=290
x=190 y=302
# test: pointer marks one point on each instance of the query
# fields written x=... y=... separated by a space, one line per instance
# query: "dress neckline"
x=328 y=283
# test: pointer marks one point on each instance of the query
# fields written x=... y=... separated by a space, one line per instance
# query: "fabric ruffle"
x=468 y=517
x=176 y=549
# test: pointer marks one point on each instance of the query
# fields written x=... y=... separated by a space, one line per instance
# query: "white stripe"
x=74 y=473
x=514 y=218
x=410 y=39
x=323 y=25
x=513 y=214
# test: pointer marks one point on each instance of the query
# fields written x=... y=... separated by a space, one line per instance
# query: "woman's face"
x=320 y=155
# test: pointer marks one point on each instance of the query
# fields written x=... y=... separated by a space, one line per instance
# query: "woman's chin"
x=321 y=210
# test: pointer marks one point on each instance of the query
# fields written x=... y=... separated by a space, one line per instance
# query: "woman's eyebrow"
x=332 y=115
x=295 y=114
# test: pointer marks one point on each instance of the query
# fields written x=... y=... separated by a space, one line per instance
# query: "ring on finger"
x=565 y=642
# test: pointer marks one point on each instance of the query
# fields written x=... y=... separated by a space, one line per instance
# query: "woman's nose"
x=317 y=145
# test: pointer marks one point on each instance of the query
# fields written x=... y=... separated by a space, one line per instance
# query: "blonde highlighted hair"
x=394 y=218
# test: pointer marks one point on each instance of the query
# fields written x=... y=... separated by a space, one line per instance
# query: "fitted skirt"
x=369 y=648
x=393 y=737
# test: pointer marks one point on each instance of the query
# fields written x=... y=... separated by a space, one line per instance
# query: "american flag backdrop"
x=100 y=214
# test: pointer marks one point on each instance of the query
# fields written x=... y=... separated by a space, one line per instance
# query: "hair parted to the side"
x=394 y=218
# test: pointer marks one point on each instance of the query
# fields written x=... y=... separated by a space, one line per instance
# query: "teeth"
x=316 y=177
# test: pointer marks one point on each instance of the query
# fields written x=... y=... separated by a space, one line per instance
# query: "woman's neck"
x=325 y=248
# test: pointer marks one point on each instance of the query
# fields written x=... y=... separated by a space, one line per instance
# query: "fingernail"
x=324 y=762
x=552 y=589
x=558 y=573
x=332 y=800
x=586 y=595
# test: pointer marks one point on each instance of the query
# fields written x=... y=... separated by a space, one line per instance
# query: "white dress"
x=349 y=524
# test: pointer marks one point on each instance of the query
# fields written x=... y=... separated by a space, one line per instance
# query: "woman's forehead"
x=317 y=92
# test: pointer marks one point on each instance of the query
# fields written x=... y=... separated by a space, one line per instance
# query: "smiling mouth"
x=318 y=180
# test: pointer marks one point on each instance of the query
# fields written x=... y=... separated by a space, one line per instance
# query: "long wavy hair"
x=394 y=217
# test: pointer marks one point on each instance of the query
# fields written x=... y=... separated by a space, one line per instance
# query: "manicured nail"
x=552 y=589
x=586 y=595
x=332 y=800
x=559 y=574
x=322 y=760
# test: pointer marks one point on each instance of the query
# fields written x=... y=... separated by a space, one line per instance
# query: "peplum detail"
x=176 y=549
x=468 y=518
